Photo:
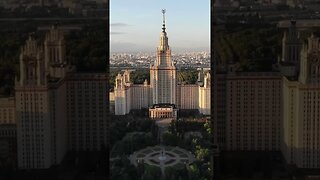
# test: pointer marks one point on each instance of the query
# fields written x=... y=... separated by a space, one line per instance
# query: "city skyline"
x=134 y=26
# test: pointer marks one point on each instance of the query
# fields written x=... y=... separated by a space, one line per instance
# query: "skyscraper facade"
x=301 y=114
x=40 y=94
x=7 y=110
x=87 y=111
x=272 y=111
x=57 y=108
x=163 y=81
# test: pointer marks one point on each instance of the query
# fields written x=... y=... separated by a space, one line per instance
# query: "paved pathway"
x=162 y=156
x=163 y=125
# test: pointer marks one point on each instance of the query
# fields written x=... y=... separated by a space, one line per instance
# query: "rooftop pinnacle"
x=164 y=20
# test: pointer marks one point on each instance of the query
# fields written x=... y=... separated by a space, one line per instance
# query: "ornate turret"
x=55 y=47
x=207 y=80
x=310 y=61
x=31 y=64
x=145 y=83
x=291 y=45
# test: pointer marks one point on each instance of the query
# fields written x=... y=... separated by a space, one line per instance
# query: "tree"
x=169 y=172
x=194 y=172
x=170 y=139
x=172 y=177
x=131 y=142
x=188 y=76
x=208 y=126
x=139 y=76
x=258 y=54
x=202 y=153
x=147 y=176
x=152 y=172
x=123 y=169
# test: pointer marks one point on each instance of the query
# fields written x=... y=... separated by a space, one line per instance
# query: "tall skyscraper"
x=301 y=105
x=57 y=108
x=40 y=94
x=272 y=111
x=163 y=73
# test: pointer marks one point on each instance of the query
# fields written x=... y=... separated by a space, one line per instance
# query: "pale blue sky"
x=135 y=25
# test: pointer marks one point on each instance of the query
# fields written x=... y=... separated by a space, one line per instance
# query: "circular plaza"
x=162 y=156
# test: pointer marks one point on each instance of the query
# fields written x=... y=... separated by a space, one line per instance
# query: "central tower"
x=163 y=72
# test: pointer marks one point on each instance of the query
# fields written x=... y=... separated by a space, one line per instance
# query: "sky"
x=135 y=25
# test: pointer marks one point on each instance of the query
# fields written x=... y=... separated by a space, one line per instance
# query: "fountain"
x=162 y=156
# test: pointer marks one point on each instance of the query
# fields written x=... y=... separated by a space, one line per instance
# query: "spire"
x=163 y=37
x=164 y=20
